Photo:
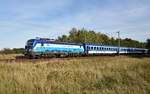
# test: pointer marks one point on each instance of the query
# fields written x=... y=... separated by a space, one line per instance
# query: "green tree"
x=73 y=35
x=63 y=38
x=7 y=51
x=19 y=50
x=92 y=37
x=148 y=44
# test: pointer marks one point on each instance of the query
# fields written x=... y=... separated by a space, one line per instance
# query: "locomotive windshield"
x=29 y=43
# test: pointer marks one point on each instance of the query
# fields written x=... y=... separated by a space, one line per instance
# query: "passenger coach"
x=95 y=49
x=100 y=49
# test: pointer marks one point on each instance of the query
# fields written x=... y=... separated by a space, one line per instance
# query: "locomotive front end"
x=29 y=48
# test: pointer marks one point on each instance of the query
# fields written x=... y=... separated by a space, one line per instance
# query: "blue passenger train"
x=45 y=47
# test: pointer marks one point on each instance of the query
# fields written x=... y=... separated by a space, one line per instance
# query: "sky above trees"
x=24 y=19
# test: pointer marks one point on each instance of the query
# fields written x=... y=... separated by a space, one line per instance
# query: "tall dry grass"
x=113 y=75
x=9 y=56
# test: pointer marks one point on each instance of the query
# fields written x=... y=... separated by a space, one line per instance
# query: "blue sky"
x=21 y=20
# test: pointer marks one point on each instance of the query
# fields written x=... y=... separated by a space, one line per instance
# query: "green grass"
x=112 y=75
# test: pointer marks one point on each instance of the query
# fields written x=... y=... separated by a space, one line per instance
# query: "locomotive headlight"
x=30 y=50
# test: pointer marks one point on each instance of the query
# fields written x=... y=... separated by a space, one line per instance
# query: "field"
x=93 y=75
x=9 y=56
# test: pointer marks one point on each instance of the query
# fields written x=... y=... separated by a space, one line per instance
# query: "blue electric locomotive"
x=45 y=47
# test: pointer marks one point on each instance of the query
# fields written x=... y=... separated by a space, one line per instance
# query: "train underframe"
x=52 y=54
x=36 y=55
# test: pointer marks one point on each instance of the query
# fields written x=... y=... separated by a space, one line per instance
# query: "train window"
x=87 y=47
x=97 y=48
x=42 y=44
x=104 y=48
x=94 y=48
x=91 y=48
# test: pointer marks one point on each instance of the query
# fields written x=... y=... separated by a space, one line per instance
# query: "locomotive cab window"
x=29 y=43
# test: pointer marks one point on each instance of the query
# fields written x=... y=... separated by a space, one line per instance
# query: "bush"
x=7 y=51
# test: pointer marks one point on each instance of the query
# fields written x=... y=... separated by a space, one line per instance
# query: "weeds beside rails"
x=113 y=75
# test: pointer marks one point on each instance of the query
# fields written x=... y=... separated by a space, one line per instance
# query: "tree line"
x=12 y=51
x=90 y=36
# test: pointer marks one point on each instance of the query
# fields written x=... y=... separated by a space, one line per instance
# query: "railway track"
x=26 y=60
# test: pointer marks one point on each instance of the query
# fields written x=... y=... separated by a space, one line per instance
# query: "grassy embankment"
x=113 y=75
x=9 y=56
